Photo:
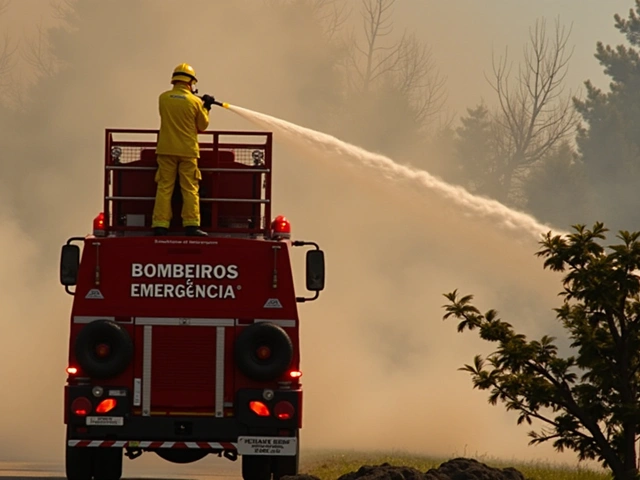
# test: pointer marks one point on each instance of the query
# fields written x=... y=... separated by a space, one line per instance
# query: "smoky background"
x=380 y=364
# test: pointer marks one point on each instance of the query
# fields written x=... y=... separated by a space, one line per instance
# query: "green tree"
x=609 y=139
x=588 y=402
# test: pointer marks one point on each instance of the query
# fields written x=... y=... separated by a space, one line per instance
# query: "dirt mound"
x=456 y=469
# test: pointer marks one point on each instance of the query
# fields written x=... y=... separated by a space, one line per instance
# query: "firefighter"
x=182 y=116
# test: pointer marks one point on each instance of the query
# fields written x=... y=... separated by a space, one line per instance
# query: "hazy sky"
x=461 y=33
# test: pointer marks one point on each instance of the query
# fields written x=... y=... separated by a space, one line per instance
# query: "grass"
x=330 y=465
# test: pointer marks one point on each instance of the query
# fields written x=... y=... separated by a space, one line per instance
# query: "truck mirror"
x=315 y=270
x=69 y=264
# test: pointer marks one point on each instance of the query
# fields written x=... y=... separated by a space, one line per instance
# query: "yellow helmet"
x=183 y=73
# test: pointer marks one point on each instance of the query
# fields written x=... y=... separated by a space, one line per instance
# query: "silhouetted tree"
x=7 y=50
x=534 y=115
x=589 y=401
x=393 y=88
x=478 y=158
x=555 y=187
x=609 y=139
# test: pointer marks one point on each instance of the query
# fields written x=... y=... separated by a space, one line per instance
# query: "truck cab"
x=186 y=346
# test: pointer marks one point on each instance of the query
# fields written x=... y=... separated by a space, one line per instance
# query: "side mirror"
x=69 y=264
x=315 y=270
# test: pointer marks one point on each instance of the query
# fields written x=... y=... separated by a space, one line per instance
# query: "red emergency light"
x=284 y=410
x=98 y=225
x=81 y=406
x=259 y=408
x=281 y=227
x=106 y=405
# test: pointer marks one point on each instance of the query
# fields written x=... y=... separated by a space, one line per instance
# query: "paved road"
x=148 y=466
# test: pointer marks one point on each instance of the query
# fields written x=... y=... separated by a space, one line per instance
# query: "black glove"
x=207 y=101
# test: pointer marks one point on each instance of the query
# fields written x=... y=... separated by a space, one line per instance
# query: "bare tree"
x=332 y=15
x=534 y=113
x=37 y=53
x=406 y=62
x=417 y=77
x=7 y=50
x=377 y=59
x=62 y=8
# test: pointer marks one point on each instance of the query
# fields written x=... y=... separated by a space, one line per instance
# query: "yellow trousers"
x=190 y=177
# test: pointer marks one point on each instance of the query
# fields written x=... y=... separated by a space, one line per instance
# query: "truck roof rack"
x=235 y=190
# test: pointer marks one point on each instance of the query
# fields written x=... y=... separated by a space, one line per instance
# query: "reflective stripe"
x=219 y=372
x=196 y=322
x=146 y=371
x=147 y=444
x=137 y=392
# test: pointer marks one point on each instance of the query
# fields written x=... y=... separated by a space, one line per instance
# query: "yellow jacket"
x=182 y=116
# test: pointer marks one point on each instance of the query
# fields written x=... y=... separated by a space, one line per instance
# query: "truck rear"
x=186 y=346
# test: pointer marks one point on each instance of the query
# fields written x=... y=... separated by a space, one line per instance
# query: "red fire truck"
x=180 y=345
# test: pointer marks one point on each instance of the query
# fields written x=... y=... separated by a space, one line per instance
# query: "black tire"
x=263 y=334
x=283 y=466
x=107 y=464
x=79 y=463
x=110 y=333
x=256 y=467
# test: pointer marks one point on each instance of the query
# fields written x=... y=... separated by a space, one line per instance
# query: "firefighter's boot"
x=192 y=231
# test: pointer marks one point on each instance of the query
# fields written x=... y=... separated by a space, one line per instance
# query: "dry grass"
x=330 y=465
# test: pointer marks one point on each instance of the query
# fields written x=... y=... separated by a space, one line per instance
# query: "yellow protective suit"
x=182 y=116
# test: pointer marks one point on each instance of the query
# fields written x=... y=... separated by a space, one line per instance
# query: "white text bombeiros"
x=189 y=272
x=178 y=270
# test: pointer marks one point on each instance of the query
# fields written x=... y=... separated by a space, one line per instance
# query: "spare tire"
x=103 y=349
x=263 y=351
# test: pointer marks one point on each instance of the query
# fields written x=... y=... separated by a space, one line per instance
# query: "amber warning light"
x=106 y=405
x=259 y=408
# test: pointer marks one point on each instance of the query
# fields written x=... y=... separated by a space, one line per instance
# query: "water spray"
x=506 y=218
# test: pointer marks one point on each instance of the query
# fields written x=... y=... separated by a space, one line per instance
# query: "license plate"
x=106 y=421
x=278 y=446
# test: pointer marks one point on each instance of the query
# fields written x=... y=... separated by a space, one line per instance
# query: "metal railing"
x=124 y=156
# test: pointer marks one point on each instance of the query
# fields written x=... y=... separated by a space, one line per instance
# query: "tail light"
x=72 y=370
x=295 y=374
x=259 y=409
x=284 y=410
x=98 y=225
x=81 y=406
x=106 y=405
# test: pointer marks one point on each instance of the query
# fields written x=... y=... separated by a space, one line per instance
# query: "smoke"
x=380 y=365
x=375 y=344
